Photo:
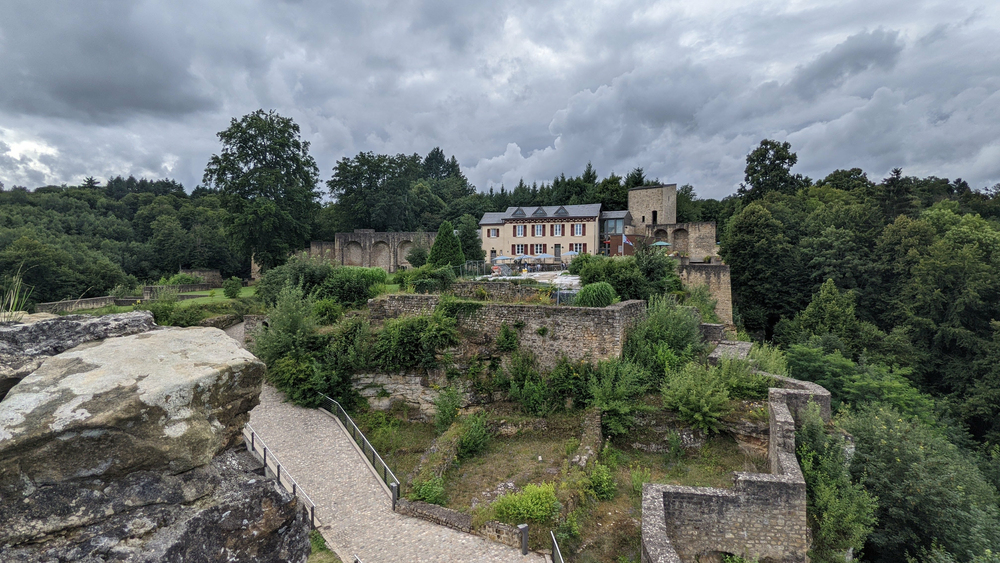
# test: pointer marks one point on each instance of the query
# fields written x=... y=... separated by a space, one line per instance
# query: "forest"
x=886 y=291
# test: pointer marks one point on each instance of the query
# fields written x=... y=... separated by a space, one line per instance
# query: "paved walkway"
x=356 y=513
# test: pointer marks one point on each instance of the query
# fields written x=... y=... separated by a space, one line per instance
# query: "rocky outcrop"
x=25 y=345
x=121 y=450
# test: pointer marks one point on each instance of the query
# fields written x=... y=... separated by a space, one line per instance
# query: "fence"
x=556 y=552
x=257 y=447
x=381 y=469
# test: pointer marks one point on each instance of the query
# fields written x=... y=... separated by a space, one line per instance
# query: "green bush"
x=186 y=316
x=475 y=437
x=535 y=503
x=614 y=388
x=698 y=395
x=431 y=490
x=180 y=279
x=231 y=287
x=446 y=403
x=741 y=381
x=351 y=285
x=382 y=430
x=639 y=476
x=667 y=326
x=581 y=261
x=417 y=256
x=306 y=274
x=447 y=249
x=290 y=329
x=298 y=377
x=568 y=383
x=701 y=299
x=507 y=340
x=769 y=358
x=411 y=342
x=599 y=294
x=162 y=307
x=602 y=482
x=327 y=311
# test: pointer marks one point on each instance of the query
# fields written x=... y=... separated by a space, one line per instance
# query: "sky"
x=513 y=89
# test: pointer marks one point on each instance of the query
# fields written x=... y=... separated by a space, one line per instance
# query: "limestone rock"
x=168 y=399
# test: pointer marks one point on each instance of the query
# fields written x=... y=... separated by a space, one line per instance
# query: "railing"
x=257 y=446
x=556 y=552
x=381 y=469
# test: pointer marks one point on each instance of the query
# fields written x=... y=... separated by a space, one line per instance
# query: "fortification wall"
x=211 y=277
x=365 y=247
x=74 y=304
x=579 y=333
x=763 y=516
x=716 y=277
x=493 y=291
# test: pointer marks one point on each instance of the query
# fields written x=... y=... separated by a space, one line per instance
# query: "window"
x=654 y=217
x=518 y=230
x=538 y=248
x=539 y=230
x=557 y=230
x=576 y=247
x=519 y=249
x=578 y=229
x=492 y=233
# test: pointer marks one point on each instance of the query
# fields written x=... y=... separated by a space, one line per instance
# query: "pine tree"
x=447 y=249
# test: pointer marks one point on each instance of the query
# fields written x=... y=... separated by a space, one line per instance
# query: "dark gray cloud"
x=513 y=89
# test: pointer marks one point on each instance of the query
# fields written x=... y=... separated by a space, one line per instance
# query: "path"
x=355 y=511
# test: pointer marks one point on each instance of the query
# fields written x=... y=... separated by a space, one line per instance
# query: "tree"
x=447 y=249
x=769 y=169
x=90 y=182
x=468 y=235
x=268 y=185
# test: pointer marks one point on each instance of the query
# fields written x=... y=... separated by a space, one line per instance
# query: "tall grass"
x=14 y=299
x=769 y=358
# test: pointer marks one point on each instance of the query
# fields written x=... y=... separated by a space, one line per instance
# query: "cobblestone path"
x=355 y=512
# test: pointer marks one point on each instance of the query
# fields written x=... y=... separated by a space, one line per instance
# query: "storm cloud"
x=515 y=90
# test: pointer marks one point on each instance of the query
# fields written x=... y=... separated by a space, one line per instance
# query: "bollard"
x=523 y=528
x=394 y=487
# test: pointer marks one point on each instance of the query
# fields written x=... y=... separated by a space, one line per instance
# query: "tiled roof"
x=492 y=218
x=587 y=210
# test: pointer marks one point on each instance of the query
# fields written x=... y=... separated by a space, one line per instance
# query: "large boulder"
x=120 y=450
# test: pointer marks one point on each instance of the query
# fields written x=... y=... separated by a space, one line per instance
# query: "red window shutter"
x=584 y=226
x=512 y=250
x=564 y=229
x=545 y=248
x=584 y=248
x=552 y=230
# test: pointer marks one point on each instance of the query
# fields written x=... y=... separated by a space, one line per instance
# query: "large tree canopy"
x=268 y=184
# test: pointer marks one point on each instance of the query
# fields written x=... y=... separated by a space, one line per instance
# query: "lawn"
x=218 y=297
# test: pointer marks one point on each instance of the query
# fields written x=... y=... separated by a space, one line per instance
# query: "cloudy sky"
x=513 y=89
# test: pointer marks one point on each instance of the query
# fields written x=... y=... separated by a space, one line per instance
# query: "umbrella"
x=661 y=243
x=543 y=256
x=523 y=256
x=570 y=253
x=501 y=257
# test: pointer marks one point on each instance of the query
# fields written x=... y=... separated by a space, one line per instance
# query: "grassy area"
x=401 y=448
x=320 y=552
x=217 y=297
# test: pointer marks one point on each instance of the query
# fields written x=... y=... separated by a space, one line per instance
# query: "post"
x=394 y=487
x=523 y=528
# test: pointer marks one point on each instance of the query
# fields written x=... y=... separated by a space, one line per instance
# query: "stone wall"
x=365 y=247
x=716 y=277
x=578 y=333
x=74 y=304
x=494 y=291
x=211 y=277
x=763 y=516
x=151 y=291
x=493 y=530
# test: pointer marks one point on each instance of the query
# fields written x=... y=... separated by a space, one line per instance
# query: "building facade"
x=551 y=230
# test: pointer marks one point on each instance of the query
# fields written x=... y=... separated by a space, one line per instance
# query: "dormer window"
x=561 y=212
x=519 y=213
x=539 y=213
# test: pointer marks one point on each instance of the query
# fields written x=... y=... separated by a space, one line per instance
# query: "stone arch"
x=680 y=242
x=354 y=255
x=381 y=255
x=661 y=234
x=402 y=250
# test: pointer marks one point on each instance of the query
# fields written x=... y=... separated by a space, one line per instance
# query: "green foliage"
x=507 y=340
x=327 y=311
x=468 y=236
x=567 y=383
x=13 y=299
x=638 y=476
x=534 y=504
x=304 y=273
x=290 y=329
x=698 y=395
x=598 y=294
x=527 y=387
x=929 y=492
x=451 y=306
x=841 y=514
x=411 y=342
x=668 y=337
x=431 y=490
x=417 y=256
x=271 y=199
x=352 y=285
x=299 y=377
x=446 y=408
x=768 y=358
x=602 y=482
x=162 y=307
x=474 y=438
x=231 y=287
x=614 y=389
x=741 y=381
x=426 y=279
x=180 y=279
x=447 y=249
x=701 y=299
x=383 y=430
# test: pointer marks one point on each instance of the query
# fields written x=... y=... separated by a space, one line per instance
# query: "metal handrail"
x=253 y=440
x=367 y=450
x=556 y=552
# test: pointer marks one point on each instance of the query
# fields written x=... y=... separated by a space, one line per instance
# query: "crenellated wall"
x=763 y=516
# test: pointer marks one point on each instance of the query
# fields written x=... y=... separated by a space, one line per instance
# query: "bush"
x=701 y=299
x=567 y=383
x=351 y=285
x=180 y=279
x=162 y=307
x=447 y=249
x=698 y=395
x=327 y=311
x=231 y=287
x=417 y=256
x=768 y=358
x=741 y=381
x=599 y=294
x=290 y=329
x=614 y=388
x=507 y=339
x=446 y=403
x=411 y=342
x=535 y=503
x=431 y=490
x=304 y=273
x=667 y=326
x=298 y=377
x=475 y=437
x=186 y=316
x=382 y=430
x=602 y=482
x=639 y=476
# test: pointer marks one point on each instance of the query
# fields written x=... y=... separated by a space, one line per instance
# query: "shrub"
x=741 y=381
x=599 y=294
x=581 y=261
x=383 y=430
x=162 y=307
x=290 y=327
x=180 y=279
x=507 y=340
x=769 y=358
x=411 y=342
x=567 y=383
x=699 y=396
x=602 y=482
x=447 y=249
x=666 y=324
x=701 y=299
x=417 y=256
x=431 y=490
x=535 y=503
x=125 y=290
x=351 y=285
x=186 y=316
x=327 y=311
x=475 y=437
x=446 y=403
x=639 y=476
x=614 y=388
x=231 y=287
x=304 y=273
x=299 y=377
